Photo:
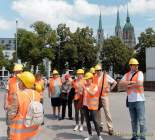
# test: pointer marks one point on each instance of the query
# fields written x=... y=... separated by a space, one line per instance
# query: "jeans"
x=93 y=114
x=137 y=114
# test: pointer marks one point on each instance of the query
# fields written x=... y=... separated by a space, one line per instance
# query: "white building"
x=150 y=64
x=9 y=47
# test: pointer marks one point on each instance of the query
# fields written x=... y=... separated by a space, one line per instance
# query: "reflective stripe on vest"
x=139 y=89
x=25 y=130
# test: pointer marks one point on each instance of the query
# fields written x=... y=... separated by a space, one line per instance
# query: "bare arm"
x=113 y=85
x=91 y=91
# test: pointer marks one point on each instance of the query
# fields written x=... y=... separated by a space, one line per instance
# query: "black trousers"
x=66 y=102
x=91 y=114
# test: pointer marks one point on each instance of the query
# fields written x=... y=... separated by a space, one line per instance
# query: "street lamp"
x=16 y=40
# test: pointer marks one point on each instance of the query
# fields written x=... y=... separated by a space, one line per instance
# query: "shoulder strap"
x=133 y=75
x=103 y=78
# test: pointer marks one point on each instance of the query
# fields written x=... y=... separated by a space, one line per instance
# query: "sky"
x=75 y=13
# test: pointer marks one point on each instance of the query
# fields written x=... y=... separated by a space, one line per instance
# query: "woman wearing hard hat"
x=90 y=104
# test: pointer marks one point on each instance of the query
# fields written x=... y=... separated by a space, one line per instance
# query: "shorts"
x=56 y=101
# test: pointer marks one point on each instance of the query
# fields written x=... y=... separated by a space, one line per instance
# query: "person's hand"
x=49 y=95
x=132 y=82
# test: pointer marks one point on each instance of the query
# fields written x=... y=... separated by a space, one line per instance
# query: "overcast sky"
x=75 y=13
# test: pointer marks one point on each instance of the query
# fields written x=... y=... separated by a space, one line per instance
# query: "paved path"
x=63 y=130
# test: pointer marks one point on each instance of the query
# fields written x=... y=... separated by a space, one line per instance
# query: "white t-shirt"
x=134 y=97
x=109 y=79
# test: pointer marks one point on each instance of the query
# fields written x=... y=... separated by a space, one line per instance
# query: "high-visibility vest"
x=18 y=131
x=51 y=85
x=99 y=81
x=78 y=85
x=91 y=101
x=39 y=86
x=12 y=88
x=139 y=89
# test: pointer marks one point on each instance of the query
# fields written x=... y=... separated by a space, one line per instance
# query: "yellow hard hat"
x=38 y=87
x=92 y=70
x=27 y=78
x=98 y=67
x=80 y=71
x=18 y=67
x=133 y=61
x=55 y=72
x=88 y=75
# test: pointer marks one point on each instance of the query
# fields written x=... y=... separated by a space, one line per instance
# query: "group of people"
x=89 y=92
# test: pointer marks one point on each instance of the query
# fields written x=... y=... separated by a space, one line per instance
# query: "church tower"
x=100 y=36
x=128 y=33
x=118 y=30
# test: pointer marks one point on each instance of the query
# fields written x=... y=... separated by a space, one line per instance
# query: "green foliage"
x=115 y=54
x=86 y=50
x=146 y=39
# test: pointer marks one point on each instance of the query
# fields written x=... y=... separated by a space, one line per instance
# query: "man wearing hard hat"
x=54 y=92
x=105 y=84
x=12 y=87
x=133 y=81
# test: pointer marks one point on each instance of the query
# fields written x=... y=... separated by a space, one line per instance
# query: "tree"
x=2 y=59
x=33 y=47
x=116 y=54
x=146 y=39
x=86 y=50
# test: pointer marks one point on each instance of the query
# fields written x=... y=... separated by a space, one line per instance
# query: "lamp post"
x=16 y=41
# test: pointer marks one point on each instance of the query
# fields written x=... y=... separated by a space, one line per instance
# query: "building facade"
x=9 y=47
x=127 y=35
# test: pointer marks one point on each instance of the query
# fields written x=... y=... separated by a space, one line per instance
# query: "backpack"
x=34 y=115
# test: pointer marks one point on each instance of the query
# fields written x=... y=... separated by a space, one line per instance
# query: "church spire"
x=118 y=30
x=118 y=19
x=100 y=22
x=128 y=17
x=100 y=37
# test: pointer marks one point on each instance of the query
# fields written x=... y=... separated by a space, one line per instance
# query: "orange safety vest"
x=92 y=101
x=99 y=82
x=139 y=89
x=12 y=88
x=78 y=85
x=40 y=83
x=51 y=85
x=18 y=131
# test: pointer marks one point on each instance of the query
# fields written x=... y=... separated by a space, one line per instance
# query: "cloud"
x=73 y=14
x=5 y=24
